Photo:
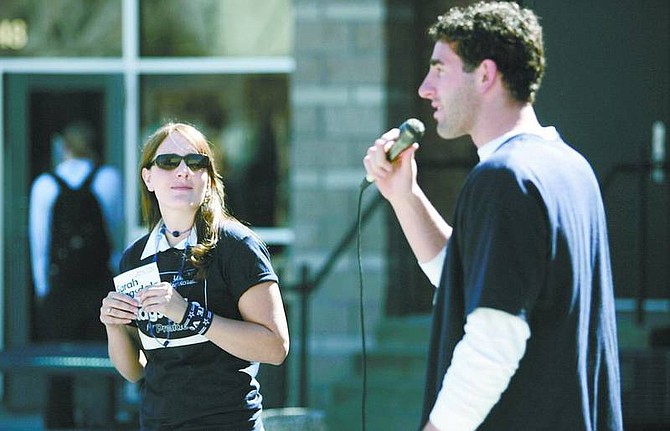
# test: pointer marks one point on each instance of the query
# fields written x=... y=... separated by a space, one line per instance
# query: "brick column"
x=338 y=107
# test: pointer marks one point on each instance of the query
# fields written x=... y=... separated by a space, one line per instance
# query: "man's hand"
x=394 y=180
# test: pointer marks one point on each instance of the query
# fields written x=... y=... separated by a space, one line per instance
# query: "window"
x=216 y=28
x=60 y=28
x=245 y=118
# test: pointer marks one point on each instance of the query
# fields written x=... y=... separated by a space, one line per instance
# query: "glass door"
x=37 y=108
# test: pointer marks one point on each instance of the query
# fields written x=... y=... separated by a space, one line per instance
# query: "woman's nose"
x=182 y=169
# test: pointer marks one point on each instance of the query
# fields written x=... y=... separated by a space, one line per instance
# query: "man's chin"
x=445 y=133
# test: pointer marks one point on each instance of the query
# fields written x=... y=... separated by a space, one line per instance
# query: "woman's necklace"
x=174 y=233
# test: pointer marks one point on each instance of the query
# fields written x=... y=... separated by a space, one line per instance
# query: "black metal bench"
x=72 y=359
x=58 y=358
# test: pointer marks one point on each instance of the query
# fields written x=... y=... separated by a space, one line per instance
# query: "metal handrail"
x=309 y=284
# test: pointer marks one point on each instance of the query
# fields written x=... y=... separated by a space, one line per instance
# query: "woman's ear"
x=146 y=177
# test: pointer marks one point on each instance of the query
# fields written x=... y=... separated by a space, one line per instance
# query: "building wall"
x=338 y=106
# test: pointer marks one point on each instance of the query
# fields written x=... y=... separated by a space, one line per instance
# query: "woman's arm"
x=261 y=337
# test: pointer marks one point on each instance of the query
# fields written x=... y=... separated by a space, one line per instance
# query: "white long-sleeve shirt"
x=484 y=361
x=106 y=187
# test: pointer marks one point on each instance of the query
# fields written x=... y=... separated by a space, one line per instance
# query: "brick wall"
x=338 y=106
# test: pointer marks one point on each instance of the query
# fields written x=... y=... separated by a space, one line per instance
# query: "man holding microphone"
x=524 y=333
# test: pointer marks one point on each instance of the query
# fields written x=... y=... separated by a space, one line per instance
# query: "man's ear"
x=487 y=74
x=146 y=177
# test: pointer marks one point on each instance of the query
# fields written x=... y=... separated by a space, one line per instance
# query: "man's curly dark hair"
x=502 y=32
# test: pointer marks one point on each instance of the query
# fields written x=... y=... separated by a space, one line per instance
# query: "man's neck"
x=505 y=119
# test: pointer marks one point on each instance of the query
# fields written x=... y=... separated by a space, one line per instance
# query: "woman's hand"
x=163 y=298
x=116 y=312
x=118 y=309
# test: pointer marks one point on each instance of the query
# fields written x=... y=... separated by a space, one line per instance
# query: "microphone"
x=411 y=131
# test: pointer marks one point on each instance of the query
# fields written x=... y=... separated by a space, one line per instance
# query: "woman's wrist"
x=197 y=317
x=183 y=309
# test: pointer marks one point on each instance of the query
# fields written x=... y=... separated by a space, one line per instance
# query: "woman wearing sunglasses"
x=194 y=341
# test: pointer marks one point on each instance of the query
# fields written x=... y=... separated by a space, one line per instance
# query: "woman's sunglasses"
x=169 y=162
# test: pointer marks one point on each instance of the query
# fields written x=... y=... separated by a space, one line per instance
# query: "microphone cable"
x=364 y=367
x=411 y=130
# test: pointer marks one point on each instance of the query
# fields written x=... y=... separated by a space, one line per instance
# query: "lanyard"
x=151 y=327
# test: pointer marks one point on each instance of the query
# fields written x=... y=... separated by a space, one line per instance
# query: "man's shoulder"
x=104 y=169
x=44 y=181
x=528 y=150
x=44 y=190
x=107 y=174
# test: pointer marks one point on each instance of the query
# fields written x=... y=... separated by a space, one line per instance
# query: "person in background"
x=524 y=333
x=194 y=341
x=74 y=214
